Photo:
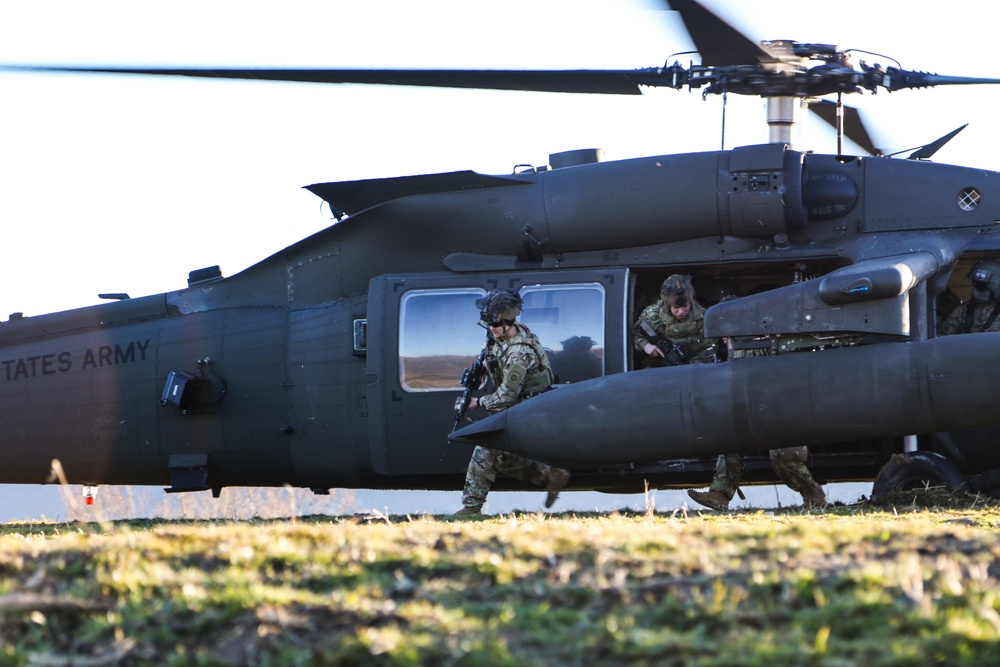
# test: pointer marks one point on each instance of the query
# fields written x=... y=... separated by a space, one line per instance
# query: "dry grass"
x=117 y=503
x=903 y=585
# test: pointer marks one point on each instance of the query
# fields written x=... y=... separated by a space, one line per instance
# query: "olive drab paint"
x=54 y=363
x=336 y=361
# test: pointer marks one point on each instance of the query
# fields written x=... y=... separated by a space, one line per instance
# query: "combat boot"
x=558 y=477
x=715 y=499
x=814 y=498
x=469 y=510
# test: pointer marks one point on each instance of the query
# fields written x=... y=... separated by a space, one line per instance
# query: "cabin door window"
x=569 y=321
x=438 y=337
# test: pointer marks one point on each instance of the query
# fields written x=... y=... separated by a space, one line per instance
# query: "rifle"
x=472 y=379
x=673 y=354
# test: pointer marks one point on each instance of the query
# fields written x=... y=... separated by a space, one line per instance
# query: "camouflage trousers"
x=789 y=464
x=485 y=465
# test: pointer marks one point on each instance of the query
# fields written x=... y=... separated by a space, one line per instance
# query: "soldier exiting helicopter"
x=519 y=369
x=676 y=319
x=982 y=312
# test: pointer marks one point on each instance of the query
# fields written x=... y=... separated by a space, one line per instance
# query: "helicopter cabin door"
x=423 y=331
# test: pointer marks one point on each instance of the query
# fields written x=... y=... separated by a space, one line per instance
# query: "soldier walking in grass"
x=519 y=369
x=789 y=464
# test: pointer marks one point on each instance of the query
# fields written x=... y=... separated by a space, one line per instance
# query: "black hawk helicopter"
x=334 y=363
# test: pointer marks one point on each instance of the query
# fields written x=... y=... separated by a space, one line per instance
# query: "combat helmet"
x=499 y=305
x=985 y=277
x=677 y=291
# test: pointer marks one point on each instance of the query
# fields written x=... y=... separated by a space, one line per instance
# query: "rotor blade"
x=718 y=42
x=854 y=127
x=900 y=79
x=614 y=82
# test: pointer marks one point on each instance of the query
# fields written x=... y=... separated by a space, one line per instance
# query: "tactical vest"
x=543 y=378
x=534 y=382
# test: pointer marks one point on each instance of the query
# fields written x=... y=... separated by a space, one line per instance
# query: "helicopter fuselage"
x=335 y=362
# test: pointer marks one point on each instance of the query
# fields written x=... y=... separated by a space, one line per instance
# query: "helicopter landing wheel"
x=915 y=470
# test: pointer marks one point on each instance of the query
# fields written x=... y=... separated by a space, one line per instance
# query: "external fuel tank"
x=756 y=403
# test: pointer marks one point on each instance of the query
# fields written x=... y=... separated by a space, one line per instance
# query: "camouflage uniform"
x=981 y=313
x=687 y=332
x=789 y=463
x=978 y=320
x=519 y=369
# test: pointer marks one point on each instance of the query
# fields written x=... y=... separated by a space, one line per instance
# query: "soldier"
x=677 y=317
x=981 y=312
x=519 y=369
x=789 y=463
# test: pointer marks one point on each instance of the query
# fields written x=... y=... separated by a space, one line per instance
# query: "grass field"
x=915 y=583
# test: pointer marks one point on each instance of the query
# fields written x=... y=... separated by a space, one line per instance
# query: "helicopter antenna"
x=926 y=151
x=840 y=123
x=725 y=99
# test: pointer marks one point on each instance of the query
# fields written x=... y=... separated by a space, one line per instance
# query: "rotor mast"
x=783 y=117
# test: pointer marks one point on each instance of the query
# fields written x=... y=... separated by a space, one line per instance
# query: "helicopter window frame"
x=439 y=334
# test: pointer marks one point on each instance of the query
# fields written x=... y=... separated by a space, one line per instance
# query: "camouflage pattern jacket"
x=519 y=368
x=687 y=332
x=960 y=322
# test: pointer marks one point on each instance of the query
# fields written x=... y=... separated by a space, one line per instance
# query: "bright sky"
x=125 y=184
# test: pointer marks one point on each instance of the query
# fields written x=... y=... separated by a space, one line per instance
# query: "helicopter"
x=313 y=368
